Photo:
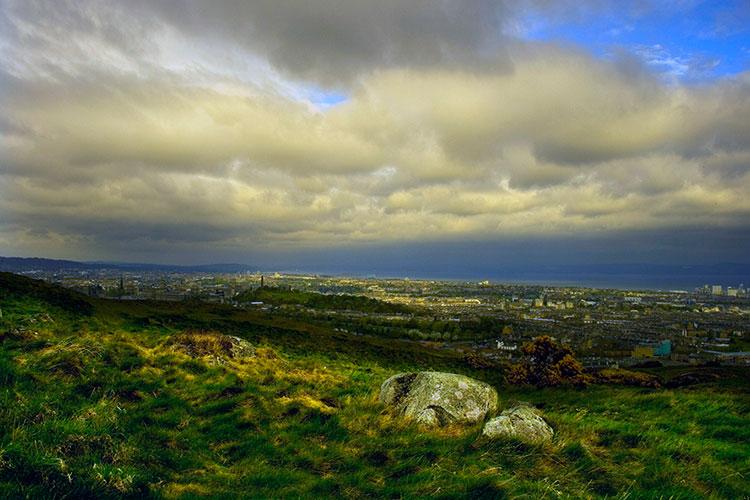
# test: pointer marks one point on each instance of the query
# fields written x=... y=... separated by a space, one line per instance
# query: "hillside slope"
x=137 y=399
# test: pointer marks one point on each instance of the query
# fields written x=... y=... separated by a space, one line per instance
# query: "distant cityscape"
x=605 y=327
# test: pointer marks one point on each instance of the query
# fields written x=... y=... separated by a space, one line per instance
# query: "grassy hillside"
x=107 y=401
x=283 y=296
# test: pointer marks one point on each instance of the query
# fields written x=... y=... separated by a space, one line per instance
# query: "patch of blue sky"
x=311 y=94
x=690 y=41
x=323 y=98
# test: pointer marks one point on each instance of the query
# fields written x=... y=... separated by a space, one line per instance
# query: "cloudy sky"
x=345 y=131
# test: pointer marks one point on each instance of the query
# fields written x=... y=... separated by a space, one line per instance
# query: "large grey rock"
x=435 y=398
x=522 y=422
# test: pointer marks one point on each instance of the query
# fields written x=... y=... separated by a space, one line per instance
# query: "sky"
x=376 y=134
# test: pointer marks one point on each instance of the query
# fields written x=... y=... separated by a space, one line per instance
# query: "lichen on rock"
x=437 y=399
x=522 y=422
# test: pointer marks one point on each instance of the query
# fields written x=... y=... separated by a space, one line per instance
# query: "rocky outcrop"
x=436 y=398
x=215 y=346
x=522 y=422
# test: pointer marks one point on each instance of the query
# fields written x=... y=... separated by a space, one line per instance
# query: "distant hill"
x=284 y=296
x=21 y=264
x=27 y=264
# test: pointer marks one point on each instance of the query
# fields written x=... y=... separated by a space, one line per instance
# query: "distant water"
x=619 y=282
x=630 y=281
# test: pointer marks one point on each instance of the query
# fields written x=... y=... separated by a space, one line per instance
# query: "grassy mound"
x=621 y=376
x=214 y=345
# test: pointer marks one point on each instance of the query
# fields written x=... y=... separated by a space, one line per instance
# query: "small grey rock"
x=522 y=422
x=241 y=348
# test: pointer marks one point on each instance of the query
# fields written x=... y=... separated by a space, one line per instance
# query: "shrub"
x=546 y=364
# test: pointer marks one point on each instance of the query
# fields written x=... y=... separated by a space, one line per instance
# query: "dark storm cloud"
x=333 y=41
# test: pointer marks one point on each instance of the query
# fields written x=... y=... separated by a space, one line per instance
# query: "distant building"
x=503 y=347
x=664 y=348
x=643 y=351
x=717 y=290
x=731 y=292
x=731 y=358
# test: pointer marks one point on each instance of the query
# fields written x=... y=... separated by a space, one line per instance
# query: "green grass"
x=104 y=405
x=284 y=296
